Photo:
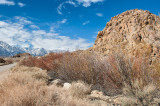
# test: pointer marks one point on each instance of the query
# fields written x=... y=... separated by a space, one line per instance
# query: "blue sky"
x=61 y=24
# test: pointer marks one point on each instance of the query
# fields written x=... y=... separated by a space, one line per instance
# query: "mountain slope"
x=6 y=50
x=36 y=52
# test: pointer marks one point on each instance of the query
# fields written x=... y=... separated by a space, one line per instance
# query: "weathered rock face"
x=135 y=33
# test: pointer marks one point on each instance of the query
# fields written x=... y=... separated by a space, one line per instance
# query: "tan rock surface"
x=135 y=33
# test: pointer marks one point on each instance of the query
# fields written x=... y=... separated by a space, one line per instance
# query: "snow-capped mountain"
x=7 y=50
x=36 y=52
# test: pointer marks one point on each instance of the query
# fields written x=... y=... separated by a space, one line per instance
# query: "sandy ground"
x=7 y=67
x=3 y=70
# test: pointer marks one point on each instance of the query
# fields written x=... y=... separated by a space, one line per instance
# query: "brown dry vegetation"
x=22 y=87
x=106 y=73
x=112 y=74
x=47 y=62
x=85 y=66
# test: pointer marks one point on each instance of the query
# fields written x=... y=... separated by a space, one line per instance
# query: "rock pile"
x=80 y=89
x=22 y=55
x=135 y=33
x=2 y=60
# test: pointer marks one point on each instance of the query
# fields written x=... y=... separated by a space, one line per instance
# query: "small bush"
x=79 y=89
x=137 y=79
x=144 y=94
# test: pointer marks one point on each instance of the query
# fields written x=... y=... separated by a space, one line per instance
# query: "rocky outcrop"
x=135 y=33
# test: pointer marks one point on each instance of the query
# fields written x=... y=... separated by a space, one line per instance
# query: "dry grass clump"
x=9 y=61
x=21 y=88
x=79 y=89
x=34 y=72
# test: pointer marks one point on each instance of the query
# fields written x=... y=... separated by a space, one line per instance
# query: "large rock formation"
x=135 y=33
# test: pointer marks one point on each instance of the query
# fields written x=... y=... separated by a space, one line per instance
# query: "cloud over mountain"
x=22 y=33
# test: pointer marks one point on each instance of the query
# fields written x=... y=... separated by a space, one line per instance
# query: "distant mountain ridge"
x=7 y=50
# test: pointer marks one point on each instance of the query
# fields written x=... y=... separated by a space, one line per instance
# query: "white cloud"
x=16 y=33
x=22 y=20
x=75 y=3
x=11 y=2
x=61 y=43
x=63 y=21
x=62 y=5
x=99 y=14
x=13 y=33
x=21 y=4
x=6 y=2
x=87 y=22
x=87 y=3
x=34 y=27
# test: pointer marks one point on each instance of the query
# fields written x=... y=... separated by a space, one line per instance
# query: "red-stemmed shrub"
x=47 y=62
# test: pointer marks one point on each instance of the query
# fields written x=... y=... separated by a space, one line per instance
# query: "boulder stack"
x=135 y=33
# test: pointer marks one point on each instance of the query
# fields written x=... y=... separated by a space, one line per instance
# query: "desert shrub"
x=89 y=67
x=144 y=94
x=74 y=67
x=137 y=79
x=47 y=62
x=105 y=73
x=129 y=69
x=84 y=66
x=155 y=67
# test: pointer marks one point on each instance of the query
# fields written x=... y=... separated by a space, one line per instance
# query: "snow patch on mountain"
x=7 y=50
